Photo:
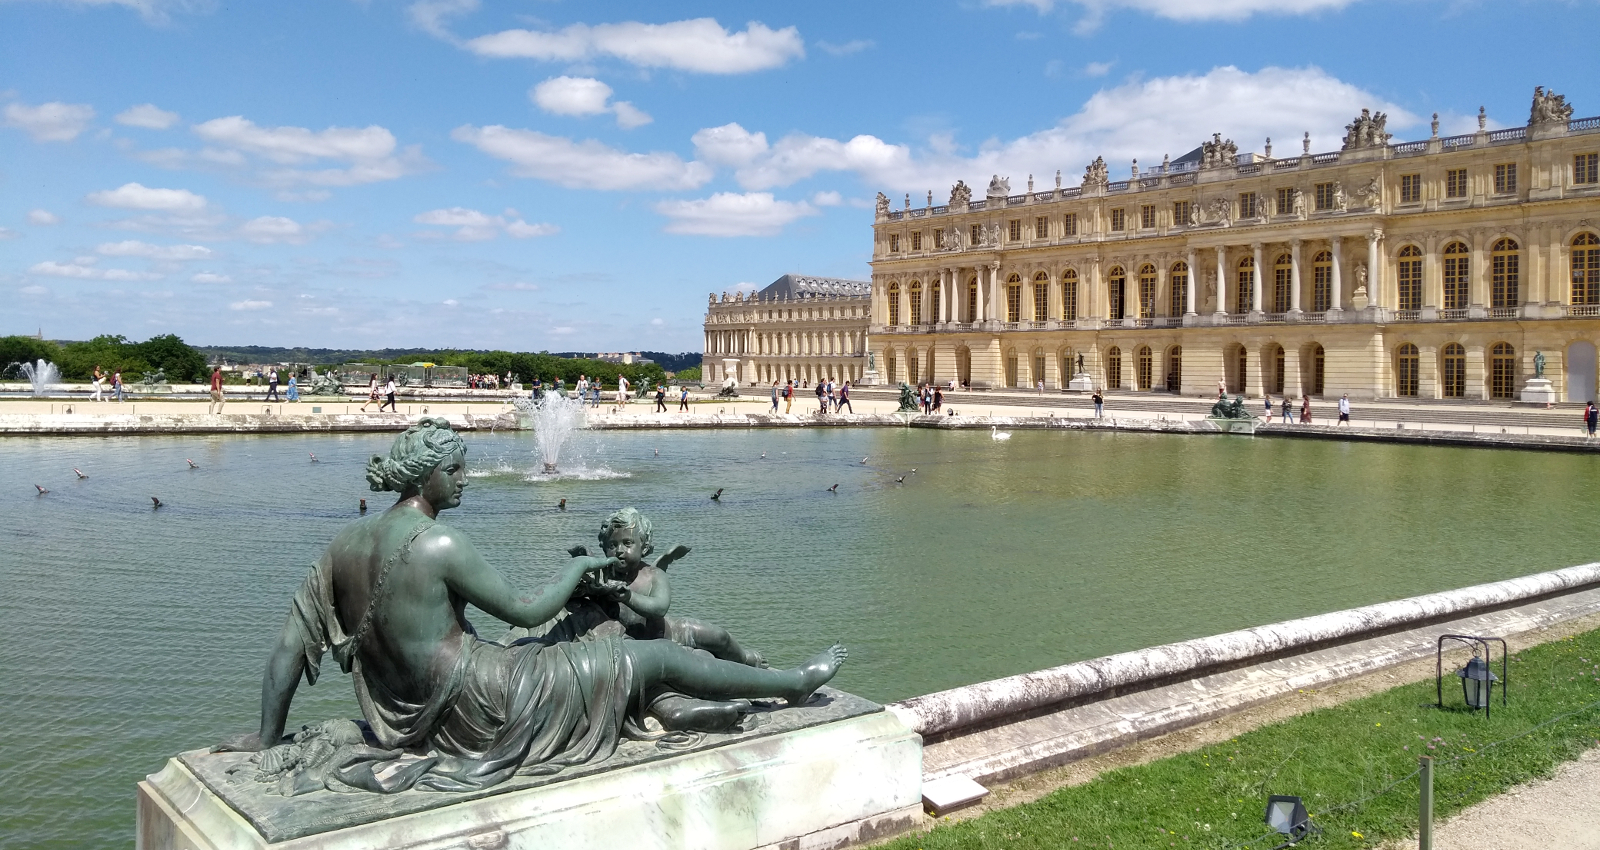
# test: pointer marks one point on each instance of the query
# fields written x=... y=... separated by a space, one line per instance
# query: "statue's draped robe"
x=531 y=708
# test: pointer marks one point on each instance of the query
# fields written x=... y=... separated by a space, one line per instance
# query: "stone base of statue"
x=1538 y=391
x=870 y=378
x=147 y=389
x=1081 y=383
x=839 y=771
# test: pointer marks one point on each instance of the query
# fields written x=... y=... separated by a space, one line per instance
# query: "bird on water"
x=717 y=496
x=900 y=480
x=42 y=491
x=833 y=489
x=81 y=476
x=996 y=434
x=157 y=503
x=192 y=464
x=562 y=504
x=863 y=460
x=314 y=457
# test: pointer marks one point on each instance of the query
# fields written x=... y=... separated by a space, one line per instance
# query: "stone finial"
x=1305 y=144
x=1269 y=147
x=1166 y=163
x=1435 y=125
x=908 y=200
x=1058 y=178
x=1135 y=171
x=1030 y=184
x=930 y=198
x=1483 y=119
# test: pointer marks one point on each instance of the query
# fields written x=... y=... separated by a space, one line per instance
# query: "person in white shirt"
x=389 y=400
x=622 y=392
x=1344 y=409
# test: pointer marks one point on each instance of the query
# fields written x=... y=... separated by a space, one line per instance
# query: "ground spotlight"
x=1287 y=815
x=1477 y=678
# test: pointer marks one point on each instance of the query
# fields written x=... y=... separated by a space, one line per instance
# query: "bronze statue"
x=1538 y=364
x=388 y=598
x=908 y=400
x=1225 y=409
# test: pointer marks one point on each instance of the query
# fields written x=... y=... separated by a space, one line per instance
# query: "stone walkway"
x=1561 y=812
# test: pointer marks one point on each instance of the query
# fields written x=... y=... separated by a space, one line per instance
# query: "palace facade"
x=1431 y=269
x=798 y=328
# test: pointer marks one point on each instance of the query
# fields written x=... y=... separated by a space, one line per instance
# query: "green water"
x=128 y=634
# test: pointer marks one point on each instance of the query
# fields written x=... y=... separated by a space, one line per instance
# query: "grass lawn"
x=1353 y=764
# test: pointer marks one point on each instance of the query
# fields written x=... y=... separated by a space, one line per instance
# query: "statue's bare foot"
x=816 y=672
x=755 y=659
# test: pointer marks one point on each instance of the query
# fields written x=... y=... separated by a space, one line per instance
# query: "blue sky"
x=578 y=176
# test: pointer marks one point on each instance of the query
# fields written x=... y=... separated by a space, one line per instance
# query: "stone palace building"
x=798 y=328
x=1433 y=269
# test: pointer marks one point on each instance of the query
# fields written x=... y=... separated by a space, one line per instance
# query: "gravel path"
x=1560 y=812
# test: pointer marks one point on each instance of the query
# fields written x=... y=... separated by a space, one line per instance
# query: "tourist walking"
x=372 y=391
x=594 y=395
x=683 y=399
x=99 y=378
x=1287 y=412
x=822 y=397
x=116 y=385
x=388 y=402
x=1344 y=409
x=844 y=397
x=1591 y=417
x=1099 y=404
x=293 y=392
x=622 y=392
x=775 y=396
x=788 y=395
x=938 y=399
x=1267 y=400
x=833 y=397
x=1305 y=410
x=1041 y=386
x=661 y=399
x=272 y=386
x=216 y=390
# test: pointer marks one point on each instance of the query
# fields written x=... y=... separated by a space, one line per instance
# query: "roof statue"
x=960 y=194
x=1548 y=108
x=1096 y=175
x=793 y=286
x=1218 y=153
x=950 y=239
x=1366 y=131
x=998 y=187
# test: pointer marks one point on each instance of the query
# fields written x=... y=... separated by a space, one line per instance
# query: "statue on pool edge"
x=388 y=599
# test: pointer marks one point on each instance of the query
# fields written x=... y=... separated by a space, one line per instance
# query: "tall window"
x=972 y=300
x=1114 y=368
x=1411 y=188
x=938 y=237
x=1147 y=216
x=1455 y=183
x=1319 y=362
x=1405 y=370
x=1244 y=292
x=1178 y=289
x=1180 y=212
x=1408 y=282
x=1175 y=369
x=1069 y=224
x=1285 y=200
x=1144 y=366
x=1502 y=370
x=1276 y=386
x=1247 y=205
x=1069 y=295
x=1456 y=263
x=916 y=240
x=1014 y=298
x=1505 y=179
x=1041 y=297
x=935 y=292
x=916 y=302
x=1586 y=269
x=977 y=234
x=1322 y=282
x=1324 y=196
x=1041 y=227
x=894 y=303
x=1119 y=221
x=1504 y=274
x=1586 y=169
x=1116 y=282
x=894 y=243
x=1454 y=360
x=1014 y=230
x=1147 y=291
x=1282 y=283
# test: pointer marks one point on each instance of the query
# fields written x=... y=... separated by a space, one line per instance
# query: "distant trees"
x=77 y=360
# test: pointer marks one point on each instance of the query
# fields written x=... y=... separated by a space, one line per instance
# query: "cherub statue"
x=883 y=204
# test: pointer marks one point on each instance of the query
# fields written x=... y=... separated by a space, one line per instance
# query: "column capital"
x=1376 y=234
x=1256 y=246
x=1295 y=243
x=1334 y=240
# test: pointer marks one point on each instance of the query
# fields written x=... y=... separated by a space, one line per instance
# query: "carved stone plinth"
x=1538 y=391
x=1081 y=383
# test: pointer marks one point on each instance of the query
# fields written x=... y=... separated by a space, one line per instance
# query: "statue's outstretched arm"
x=469 y=575
x=284 y=669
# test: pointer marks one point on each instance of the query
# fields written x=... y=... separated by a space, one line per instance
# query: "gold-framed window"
x=1322 y=282
x=1408 y=278
x=1014 y=230
x=1453 y=370
x=894 y=243
x=1180 y=212
x=1178 y=289
x=916 y=240
x=1069 y=224
x=1116 y=283
x=1041 y=227
x=1114 y=368
x=1119 y=221
x=1247 y=205
x=1246 y=285
x=1041 y=297
x=1014 y=298
x=972 y=299
x=1319 y=363
x=1147 y=217
x=894 y=303
x=1586 y=269
x=1143 y=368
x=1502 y=370
x=1285 y=199
x=1455 y=183
x=1456 y=266
x=1175 y=369
x=1147 y=291
x=1505 y=273
x=1586 y=169
x=1505 y=178
x=1282 y=284
x=935 y=292
x=1069 y=295
x=1323 y=195
x=915 y=299
x=1406 y=363
x=1411 y=188
x=1275 y=384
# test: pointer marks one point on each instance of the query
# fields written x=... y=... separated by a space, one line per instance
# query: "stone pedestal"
x=837 y=772
x=1081 y=383
x=1538 y=391
x=871 y=378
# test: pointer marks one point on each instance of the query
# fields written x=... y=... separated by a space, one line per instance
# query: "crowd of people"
x=832 y=397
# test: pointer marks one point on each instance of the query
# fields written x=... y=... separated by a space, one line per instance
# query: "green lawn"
x=1336 y=758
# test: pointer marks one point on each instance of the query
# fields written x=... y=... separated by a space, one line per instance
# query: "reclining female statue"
x=388 y=598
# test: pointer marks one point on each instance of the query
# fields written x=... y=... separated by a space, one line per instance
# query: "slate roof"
x=805 y=286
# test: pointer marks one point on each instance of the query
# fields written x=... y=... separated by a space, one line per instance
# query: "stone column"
x=1374 y=267
x=994 y=291
x=1163 y=305
x=1188 y=295
x=1222 y=279
x=1336 y=296
x=983 y=301
x=1294 y=286
x=1478 y=275
x=1477 y=387
x=1255 y=279
x=1291 y=372
x=1432 y=275
x=1428 y=371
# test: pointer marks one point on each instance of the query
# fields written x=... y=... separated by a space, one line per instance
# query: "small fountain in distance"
x=42 y=375
x=554 y=418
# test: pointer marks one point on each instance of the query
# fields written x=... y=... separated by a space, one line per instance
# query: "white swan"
x=997 y=434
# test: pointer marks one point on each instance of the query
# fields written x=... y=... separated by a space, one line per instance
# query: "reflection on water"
x=128 y=634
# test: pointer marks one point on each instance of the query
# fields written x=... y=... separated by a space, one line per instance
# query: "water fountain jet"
x=42 y=375
x=554 y=418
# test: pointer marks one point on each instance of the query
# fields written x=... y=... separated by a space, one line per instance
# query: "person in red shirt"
x=216 y=390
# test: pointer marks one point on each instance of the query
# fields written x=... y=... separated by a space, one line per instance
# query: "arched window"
x=1041 y=297
x=972 y=299
x=1069 y=365
x=1322 y=282
x=1282 y=280
x=1408 y=281
x=1116 y=283
x=1178 y=289
x=1276 y=385
x=1175 y=369
x=1147 y=292
x=1454 y=360
x=1144 y=365
x=916 y=302
x=1319 y=362
x=1069 y=295
x=889 y=366
x=1405 y=370
x=894 y=305
x=1456 y=264
x=1502 y=370
x=1243 y=294
x=911 y=366
x=1505 y=275
x=1586 y=269
x=1014 y=298
x=1114 y=368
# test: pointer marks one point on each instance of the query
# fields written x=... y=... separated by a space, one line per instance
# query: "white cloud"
x=584 y=96
x=701 y=45
x=1097 y=69
x=135 y=248
x=250 y=305
x=1181 y=10
x=450 y=302
x=370 y=153
x=134 y=196
x=848 y=47
x=657 y=322
x=84 y=268
x=211 y=277
x=429 y=15
x=583 y=165
x=732 y=214
x=795 y=157
x=827 y=199
x=149 y=116
x=474 y=226
x=8 y=233
x=271 y=229
x=43 y=217
x=50 y=122
x=34 y=290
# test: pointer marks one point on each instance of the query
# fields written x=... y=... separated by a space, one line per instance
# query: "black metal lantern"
x=1287 y=816
x=1477 y=678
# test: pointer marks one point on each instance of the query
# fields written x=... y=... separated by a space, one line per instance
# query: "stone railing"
x=1462 y=141
x=1584 y=124
x=1512 y=134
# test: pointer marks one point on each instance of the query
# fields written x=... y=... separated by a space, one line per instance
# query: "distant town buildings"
x=798 y=328
x=625 y=357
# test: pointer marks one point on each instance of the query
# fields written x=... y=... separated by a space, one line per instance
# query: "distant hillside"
x=332 y=356
x=669 y=362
